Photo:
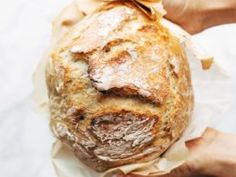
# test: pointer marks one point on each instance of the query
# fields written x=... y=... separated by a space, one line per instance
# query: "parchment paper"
x=210 y=91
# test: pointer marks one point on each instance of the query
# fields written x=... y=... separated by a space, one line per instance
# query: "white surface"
x=24 y=36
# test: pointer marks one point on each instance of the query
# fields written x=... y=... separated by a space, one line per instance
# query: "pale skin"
x=197 y=15
x=214 y=153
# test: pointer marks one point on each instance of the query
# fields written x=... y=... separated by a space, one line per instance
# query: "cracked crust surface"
x=119 y=88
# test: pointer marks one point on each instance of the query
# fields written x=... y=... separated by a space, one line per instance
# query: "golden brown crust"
x=119 y=88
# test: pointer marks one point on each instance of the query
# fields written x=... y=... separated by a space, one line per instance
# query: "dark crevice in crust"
x=120 y=92
x=122 y=134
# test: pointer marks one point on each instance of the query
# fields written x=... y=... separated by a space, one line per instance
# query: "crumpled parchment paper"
x=210 y=101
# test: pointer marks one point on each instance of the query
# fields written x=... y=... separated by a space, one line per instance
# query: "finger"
x=207 y=137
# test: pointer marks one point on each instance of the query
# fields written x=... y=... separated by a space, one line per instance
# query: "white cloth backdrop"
x=25 y=27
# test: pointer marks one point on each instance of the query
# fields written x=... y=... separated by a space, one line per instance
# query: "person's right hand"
x=214 y=154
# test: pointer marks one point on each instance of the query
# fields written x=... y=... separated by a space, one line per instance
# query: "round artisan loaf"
x=119 y=87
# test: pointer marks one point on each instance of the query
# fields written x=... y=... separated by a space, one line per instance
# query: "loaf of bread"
x=119 y=88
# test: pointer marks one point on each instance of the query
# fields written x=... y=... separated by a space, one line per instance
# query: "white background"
x=25 y=26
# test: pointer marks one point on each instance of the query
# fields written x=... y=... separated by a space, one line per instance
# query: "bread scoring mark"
x=95 y=35
x=121 y=70
x=122 y=134
x=113 y=58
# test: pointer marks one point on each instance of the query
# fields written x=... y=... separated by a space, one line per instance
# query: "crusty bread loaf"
x=119 y=88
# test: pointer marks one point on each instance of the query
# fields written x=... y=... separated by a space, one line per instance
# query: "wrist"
x=217 y=13
x=216 y=165
x=209 y=165
x=228 y=166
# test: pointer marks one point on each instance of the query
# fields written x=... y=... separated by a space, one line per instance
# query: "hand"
x=197 y=15
x=212 y=154
x=186 y=13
